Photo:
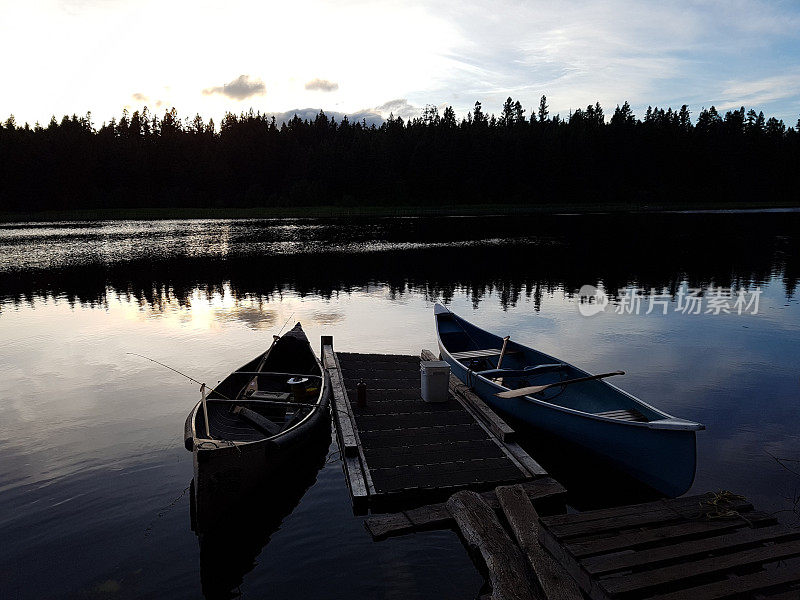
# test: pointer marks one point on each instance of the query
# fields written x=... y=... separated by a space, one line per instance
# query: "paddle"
x=503 y=351
x=535 y=389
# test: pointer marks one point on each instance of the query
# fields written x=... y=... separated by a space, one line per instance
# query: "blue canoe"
x=636 y=438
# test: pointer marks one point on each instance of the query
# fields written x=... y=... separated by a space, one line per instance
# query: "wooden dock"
x=706 y=547
x=457 y=465
x=400 y=451
x=694 y=548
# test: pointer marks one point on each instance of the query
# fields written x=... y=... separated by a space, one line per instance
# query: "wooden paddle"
x=535 y=389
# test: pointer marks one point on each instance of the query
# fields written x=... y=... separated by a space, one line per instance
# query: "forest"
x=142 y=160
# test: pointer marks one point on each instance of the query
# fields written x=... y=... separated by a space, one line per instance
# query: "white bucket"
x=435 y=380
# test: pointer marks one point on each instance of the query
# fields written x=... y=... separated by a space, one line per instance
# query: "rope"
x=715 y=506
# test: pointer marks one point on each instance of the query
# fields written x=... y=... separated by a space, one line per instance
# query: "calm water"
x=94 y=499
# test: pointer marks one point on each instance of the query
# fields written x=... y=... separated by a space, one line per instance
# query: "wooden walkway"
x=695 y=548
x=403 y=454
x=400 y=451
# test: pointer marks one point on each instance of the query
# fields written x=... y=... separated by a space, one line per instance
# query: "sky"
x=372 y=58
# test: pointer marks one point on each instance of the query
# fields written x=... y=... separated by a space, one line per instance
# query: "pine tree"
x=542 y=113
x=507 y=114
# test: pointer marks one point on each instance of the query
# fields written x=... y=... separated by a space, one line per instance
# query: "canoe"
x=259 y=418
x=634 y=437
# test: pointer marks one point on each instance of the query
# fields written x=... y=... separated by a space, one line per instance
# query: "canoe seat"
x=480 y=353
x=624 y=415
x=260 y=422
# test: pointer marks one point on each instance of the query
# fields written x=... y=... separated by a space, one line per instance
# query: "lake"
x=94 y=479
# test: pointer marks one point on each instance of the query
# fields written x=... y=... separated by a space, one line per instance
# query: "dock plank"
x=541 y=492
x=413 y=420
x=640 y=552
x=508 y=570
x=728 y=542
x=430 y=453
x=716 y=564
x=658 y=535
x=737 y=587
x=664 y=514
x=523 y=520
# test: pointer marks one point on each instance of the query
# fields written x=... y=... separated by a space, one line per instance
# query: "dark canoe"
x=640 y=440
x=258 y=421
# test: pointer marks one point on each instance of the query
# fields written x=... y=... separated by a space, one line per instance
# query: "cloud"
x=761 y=91
x=240 y=88
x=322 y=85
x=648 y=53
x=139 y=97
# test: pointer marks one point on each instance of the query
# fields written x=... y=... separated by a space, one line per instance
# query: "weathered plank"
x=435 y=516
x=431 y=453
x=664 y=514
x=673 y=533
x=431 y=516
x=446 y=476
x=525 y=459
x=736 y=587
x=394 y=524
x=509 y=574
x=699 y=502
x=355 y=473
x=716 y=564
x=523 y=519
x=413 y=420
x=341 y=407
x=786 y=595
x=422 y=435
x=364 y=467
x=599 y=565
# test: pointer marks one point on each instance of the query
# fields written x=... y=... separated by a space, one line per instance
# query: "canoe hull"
x=663 y=458
x=224 y=475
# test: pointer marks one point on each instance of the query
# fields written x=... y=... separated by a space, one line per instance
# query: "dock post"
x=325 y=340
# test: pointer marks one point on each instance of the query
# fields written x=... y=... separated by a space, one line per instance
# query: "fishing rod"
x=192 y=379
x=286 y=323
x=202 y=385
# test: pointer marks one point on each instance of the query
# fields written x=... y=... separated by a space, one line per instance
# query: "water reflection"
x=230 y=545
x=154 y=263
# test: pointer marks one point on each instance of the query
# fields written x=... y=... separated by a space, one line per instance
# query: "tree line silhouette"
x=142 y=160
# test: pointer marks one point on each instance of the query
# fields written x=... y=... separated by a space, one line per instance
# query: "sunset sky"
x=352 y=57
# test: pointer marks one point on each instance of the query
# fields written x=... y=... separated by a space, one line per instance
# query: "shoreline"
x=322 y=212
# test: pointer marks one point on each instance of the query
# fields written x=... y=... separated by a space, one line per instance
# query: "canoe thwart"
x=480 y=353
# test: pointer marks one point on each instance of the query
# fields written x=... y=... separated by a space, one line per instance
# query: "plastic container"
x=435 y=380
